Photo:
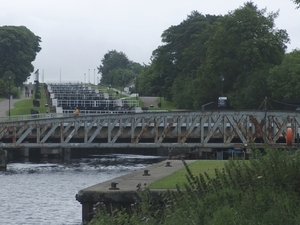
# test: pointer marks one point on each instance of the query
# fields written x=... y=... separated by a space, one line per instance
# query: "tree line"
x=18 y=49
x=241 y=55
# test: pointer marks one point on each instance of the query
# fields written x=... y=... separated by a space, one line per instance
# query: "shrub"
x=262 y=190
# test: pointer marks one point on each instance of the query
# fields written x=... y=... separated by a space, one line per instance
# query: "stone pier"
x=24 y=152
x=3 y=159
x=66 y=155
x=122 y=191
x=51 y=151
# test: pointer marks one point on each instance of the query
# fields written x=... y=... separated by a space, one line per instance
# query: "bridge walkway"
x=197 y=129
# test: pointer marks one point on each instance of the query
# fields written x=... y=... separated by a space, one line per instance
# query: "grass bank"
x=23 y=107
x=179 y=177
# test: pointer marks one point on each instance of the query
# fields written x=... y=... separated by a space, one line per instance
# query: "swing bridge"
x=197 y=129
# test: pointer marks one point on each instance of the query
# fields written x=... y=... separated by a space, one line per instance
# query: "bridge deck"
x=201 y=129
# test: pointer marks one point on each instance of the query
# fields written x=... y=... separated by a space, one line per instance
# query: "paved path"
x=148 y=101
x=128 y=182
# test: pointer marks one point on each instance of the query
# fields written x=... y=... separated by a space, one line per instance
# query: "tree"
x=148 y=82
x=112 y=60
x=135 y=67
x=121 y=77
x=18 y=49
x=297 y=2
x=3 y=92
x=118 y=70
x=180 y=55
x=244 y=46
x=283 y=81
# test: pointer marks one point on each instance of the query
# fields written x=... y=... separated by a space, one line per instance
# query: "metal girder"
x=209 y=129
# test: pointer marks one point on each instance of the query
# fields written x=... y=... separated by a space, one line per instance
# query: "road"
x=148 y=101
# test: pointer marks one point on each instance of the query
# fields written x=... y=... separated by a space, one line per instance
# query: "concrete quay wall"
x=122 y=191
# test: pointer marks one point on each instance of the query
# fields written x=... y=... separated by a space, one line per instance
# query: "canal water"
x=38 y=193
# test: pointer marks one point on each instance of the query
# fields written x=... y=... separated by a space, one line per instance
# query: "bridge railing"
x=205 y=129
x=31 y=117
x=69 y=113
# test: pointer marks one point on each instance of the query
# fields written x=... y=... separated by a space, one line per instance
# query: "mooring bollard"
x=168 y=164
x=113 y=186
x=146 y=173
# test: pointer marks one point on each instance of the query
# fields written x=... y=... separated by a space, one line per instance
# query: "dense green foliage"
x=244 y=46
x=176 y=62
x=241 y=47
x=297 y=2
x=117 y=69
x=238 y=55
x=284 y=78
x=263 y=190
x=18 y=49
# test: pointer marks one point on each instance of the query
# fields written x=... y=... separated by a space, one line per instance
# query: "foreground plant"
x=262 y=190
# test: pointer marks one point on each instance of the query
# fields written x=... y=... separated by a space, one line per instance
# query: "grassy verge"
x=165 y=105
x=24 y=106
x=179 y=177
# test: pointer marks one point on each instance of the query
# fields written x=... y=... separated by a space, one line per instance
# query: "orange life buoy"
x=289 y=137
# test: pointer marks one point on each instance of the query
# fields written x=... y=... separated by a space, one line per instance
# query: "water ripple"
x=44 y=193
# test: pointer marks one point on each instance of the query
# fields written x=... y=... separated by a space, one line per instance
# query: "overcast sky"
x=76 y=34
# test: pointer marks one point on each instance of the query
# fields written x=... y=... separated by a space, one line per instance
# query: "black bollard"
x=113 y=186
x=146 y=173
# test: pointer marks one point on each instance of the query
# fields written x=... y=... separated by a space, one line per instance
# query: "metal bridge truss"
x=203 y=129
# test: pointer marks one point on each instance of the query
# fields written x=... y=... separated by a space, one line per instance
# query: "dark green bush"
x=262 y=190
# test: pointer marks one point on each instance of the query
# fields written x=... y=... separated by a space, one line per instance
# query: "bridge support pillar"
x=66 y=154
x=220 y=155
x=87 y=208
x=50 y=151
x=3 y=161
x=24 y=152
x=169 y=153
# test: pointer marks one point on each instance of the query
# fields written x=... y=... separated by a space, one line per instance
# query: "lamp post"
x=9 y=77
x=121 y=81
x=136 y=97
x=222 y=79
x=160 y=75
x=160 y=99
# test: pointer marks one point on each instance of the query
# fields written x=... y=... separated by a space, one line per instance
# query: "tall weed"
x=262 y=190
